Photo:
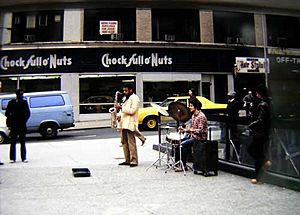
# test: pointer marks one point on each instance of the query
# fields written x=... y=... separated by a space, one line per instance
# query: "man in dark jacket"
x=17 y=113
x=260 y=131
x=232 y=112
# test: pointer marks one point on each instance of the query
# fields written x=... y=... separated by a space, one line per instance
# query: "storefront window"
x=30 y=84
x=97 y=92
x=159 y=91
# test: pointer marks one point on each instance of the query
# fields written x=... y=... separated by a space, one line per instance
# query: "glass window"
x=30 y=84
x=46 y=101
x=30 y=21
x=97 y=92
x=43 y=20
x=159 y=91
x=175 y=25
x=4 y=103
x=283 y=31
x=236 y=28
x=109 y=24
x=38 y=26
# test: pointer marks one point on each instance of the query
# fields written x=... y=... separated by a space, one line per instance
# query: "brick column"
x=143 y=24
x=206 y=26
x=258 y=26
x=73 y=25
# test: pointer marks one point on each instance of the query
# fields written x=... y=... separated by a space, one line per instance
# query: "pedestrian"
x=198 y=131
x=232 y=112
x=128 y=125
x=17 y=114
x=259 y=129
x=248 y=101
x=192 y=94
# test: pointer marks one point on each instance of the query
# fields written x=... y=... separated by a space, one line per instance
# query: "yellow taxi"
x=148 y=116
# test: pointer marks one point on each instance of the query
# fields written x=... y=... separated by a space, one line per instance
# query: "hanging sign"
x=250 y=65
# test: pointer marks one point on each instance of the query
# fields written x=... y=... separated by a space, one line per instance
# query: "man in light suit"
x=128 y=125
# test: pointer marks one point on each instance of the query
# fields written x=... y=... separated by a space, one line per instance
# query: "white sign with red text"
x=108 y=27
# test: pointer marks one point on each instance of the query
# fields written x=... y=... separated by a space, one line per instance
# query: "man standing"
x=260 y=131
x=198 y=130
x=128 y=125
x=17 y=113
x=232 y=112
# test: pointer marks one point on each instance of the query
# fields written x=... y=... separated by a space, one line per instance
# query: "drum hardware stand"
x=158 y=162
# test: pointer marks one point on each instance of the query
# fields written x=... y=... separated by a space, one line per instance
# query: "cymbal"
x=179 y=111
x=159 y=109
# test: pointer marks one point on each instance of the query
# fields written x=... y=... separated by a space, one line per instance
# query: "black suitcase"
x=206 y=157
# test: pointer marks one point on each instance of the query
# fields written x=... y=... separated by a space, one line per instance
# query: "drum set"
x=167 y=148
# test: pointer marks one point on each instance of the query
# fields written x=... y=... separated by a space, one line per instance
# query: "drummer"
x=198 y=131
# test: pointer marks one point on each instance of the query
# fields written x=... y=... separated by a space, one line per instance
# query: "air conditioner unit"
x=118 y=36
x=29 y=38
x=228 y=40
x=169 y=37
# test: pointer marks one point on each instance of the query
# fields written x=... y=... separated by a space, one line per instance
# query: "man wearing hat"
x=232 y=112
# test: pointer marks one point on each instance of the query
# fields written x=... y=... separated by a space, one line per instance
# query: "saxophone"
x=113 y=111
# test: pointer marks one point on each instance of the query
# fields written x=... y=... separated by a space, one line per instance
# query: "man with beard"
x=128 y=125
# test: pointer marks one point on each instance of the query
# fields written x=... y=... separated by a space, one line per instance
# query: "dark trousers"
x=185 y=146
x=257 y=150
x=14 y=134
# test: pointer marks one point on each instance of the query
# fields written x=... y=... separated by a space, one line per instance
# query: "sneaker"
x=12 y=161
x=25 y=161
x=124 y=164
x=253 y=181
x=133 y=165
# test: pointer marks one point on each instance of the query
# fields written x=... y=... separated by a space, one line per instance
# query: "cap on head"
x=232 y=94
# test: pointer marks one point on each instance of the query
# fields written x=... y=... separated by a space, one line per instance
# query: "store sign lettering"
x=35 y=61
x=250 y=65
x=154 y=60
x=292 y=60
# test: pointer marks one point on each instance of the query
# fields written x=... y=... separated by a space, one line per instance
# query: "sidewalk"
x=46 y=185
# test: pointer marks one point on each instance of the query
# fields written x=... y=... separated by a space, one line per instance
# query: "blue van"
x=50 y=111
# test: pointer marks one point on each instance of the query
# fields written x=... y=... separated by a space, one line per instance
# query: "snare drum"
x=173 y=138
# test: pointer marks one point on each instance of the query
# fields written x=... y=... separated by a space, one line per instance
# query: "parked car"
x=4 y=132
x=96 y=104
x=148 y=116
x=50 y=111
